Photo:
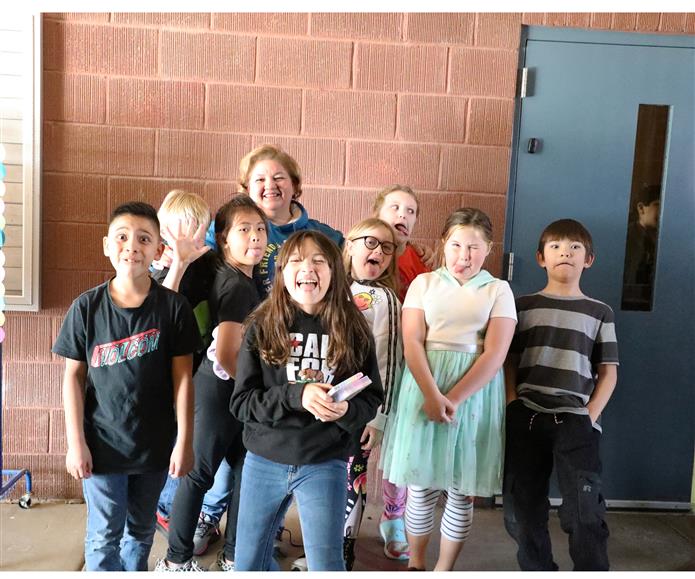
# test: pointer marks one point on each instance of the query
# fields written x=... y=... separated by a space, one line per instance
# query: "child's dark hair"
x=340 y=318
x=224 y=218
x=567 y=229
x=136 y=209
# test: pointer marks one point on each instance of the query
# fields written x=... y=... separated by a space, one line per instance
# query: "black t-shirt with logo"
x=129 y=418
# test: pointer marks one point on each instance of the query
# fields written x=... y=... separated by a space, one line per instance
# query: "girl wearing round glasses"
x=370 y=265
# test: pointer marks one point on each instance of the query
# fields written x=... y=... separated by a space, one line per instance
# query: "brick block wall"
x=137 y=104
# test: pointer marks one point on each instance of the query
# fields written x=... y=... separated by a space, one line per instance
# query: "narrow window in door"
x=645 y=207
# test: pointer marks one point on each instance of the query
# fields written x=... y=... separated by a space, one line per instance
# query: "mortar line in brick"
x=476 y=22
x=302 y=112
x=255 y=60
x=206 y=111
x=469 y=106
x=661 y=20
x=447 y=88
x=155 y=163
x=346 y=158
x=108 y=199
x=353 y=58
x=398 y=116
x=440 y=170
x=107 y=100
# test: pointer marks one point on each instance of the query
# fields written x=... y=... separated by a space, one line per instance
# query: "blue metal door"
x=584 y=91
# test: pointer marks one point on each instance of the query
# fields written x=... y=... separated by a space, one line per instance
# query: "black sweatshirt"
x=268 y=400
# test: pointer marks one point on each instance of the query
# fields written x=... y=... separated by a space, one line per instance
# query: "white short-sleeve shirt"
x=455 y=314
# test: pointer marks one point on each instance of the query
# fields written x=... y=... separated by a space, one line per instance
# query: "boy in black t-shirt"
x=128 y=347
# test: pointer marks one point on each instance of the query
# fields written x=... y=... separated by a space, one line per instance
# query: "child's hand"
x=425 y=253
x=439 y=408
x=593 y=413
x=166 y=260
x=181 y=461
x=78 y=462
x=187 y=244
x=316 y=401
x=371 y=437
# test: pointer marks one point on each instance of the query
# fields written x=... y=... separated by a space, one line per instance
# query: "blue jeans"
x=267 y=489
x=120 y=520
x=215 y=501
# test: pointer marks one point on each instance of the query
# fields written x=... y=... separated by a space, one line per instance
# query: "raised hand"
x=187 y=242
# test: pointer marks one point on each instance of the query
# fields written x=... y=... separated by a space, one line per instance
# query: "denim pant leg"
x=138 y=535
x=321 y=493
x=235 y=456
x=106 y=496
x=120 y=520
x=166 y=497
x=217 y=498
x=527 y=467
x=578 y=466
x=264 y=500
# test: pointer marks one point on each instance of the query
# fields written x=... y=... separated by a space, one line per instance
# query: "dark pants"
x=534 y=441
x=216 y=435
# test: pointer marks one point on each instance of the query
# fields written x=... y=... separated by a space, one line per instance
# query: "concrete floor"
x=49 y=537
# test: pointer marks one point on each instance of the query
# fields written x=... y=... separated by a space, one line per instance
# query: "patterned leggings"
x=456 y=520
x=356 y=493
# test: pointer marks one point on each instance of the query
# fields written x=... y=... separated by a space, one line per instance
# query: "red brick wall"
x=136 y=104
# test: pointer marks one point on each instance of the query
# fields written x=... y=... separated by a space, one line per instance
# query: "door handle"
x=533 y=145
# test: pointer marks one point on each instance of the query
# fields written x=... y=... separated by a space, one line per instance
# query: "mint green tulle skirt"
x=466 y=454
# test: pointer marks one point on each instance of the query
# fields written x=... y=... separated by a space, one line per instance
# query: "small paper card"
x=350 y=387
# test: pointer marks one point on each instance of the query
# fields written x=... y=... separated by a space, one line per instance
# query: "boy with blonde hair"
x=185 y=217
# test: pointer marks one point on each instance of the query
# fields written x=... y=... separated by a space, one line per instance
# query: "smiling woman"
x=272 y=178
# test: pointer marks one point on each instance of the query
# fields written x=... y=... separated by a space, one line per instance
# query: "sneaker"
x=222 y=563
x=300 y=564
x=349 y=553
x=206 y=532
x=163 y=524
x=392 y=531
x=187 y=567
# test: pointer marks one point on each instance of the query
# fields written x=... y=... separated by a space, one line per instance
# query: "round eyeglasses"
x=372 y=243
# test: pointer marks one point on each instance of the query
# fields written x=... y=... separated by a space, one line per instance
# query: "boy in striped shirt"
x=560 y=373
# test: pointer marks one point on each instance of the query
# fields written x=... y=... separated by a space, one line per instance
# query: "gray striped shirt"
x=560 y=342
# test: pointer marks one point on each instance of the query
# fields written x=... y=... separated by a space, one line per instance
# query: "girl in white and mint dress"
x=448 y=432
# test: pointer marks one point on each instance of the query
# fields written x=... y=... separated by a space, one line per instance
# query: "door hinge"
x=509 y=258
x=523 y=82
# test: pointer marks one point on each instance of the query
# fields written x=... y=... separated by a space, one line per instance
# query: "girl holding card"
x=298 y=438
